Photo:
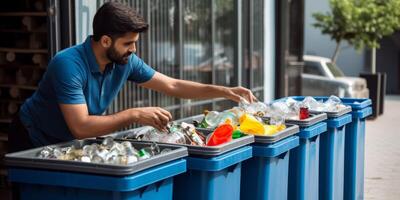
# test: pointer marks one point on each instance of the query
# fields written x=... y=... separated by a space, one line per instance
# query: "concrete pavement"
x=382 y=153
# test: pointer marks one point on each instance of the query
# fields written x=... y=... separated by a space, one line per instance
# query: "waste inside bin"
x=194 y=150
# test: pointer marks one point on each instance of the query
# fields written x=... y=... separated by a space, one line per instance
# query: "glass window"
x=208 y=46
x=224 y=43
x=257 y=58
x=162 y=46
x=335 y=70
x=246 y=54
x=313 y=68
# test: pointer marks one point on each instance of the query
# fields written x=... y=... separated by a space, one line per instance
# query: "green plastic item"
x=236 y=134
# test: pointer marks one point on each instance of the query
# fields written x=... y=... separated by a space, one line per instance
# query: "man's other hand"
x=153 y=116
x=236 y=93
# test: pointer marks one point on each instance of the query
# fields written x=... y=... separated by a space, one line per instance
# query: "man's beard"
x=115 y=57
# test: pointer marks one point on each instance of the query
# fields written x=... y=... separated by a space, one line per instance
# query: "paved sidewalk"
x=382 y=153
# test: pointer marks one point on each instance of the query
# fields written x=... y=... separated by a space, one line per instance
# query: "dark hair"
x=115 y=19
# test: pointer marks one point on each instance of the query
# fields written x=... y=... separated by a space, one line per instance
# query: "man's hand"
x=192 y=90
x=82 y=125
x=236 y=93
x=152 y=116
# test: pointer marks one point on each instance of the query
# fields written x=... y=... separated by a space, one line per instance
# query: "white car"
x=321 y=77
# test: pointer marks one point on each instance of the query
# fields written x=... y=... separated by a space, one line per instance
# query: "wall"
x=387 y=60
x=269 y=51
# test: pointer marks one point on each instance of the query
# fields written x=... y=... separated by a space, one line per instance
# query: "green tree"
x=362 y=23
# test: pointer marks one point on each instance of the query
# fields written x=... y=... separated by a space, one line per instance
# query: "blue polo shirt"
x=73 y=77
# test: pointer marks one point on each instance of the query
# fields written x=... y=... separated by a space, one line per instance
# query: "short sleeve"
x=140 y=71
x=68 y=80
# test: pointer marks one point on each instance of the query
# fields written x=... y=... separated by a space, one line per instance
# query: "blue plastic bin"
x=331 y=159
x=354 y=148
x=212 y=178
x=265 y=176
x=153 y=183
x=304 y=163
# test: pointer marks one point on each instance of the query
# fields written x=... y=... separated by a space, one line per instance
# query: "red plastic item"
x=221 y=135
x=304 y=114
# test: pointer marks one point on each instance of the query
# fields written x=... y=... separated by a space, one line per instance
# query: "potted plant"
x=362 y=23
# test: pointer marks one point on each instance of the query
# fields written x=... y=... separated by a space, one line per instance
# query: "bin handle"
x=282 y=155
x=157 y=184
x=232 y=168
x=312 y=139
x=142 y=190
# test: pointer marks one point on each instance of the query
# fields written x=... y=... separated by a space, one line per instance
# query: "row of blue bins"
x=323 y=160
x=331 y=166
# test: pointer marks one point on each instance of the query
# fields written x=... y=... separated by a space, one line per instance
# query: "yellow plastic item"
x=273 y=129
x=250 y=125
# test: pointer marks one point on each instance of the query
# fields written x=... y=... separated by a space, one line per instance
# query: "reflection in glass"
x=159 y=48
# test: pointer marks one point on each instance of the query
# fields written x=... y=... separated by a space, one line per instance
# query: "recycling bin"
x=332 y=147
x=355 y=148
x=304 y=160
x=212 y=178
x=211 y=170
x=41 y=178
x=265 y=176
x=331 y=165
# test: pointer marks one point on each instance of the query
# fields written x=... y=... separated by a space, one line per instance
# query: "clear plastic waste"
x=108 y=152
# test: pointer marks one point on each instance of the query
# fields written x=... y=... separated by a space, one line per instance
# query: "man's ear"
x=106 y=41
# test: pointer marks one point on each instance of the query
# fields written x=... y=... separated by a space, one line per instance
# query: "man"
x=81 y=82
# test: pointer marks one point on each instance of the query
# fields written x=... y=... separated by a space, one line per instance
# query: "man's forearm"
x=192 y=90
x=93 y=125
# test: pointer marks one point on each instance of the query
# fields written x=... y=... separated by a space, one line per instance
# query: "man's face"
x=122 y=48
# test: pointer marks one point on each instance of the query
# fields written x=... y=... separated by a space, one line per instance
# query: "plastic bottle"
x=212 y=119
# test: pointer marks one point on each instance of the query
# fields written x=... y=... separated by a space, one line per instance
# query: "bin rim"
x=339 y=121
x=220 y=162
x=276 y=149
x=29 y=158
x=362 y=113
x=309 y=132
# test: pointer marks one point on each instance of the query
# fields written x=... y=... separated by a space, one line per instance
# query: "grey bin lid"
x=338 y=113
x=313 y=119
